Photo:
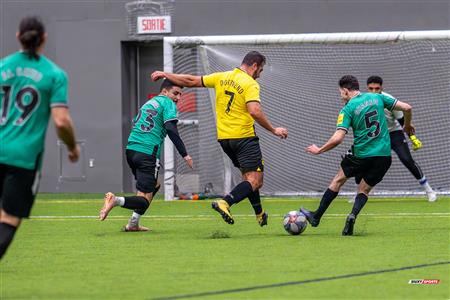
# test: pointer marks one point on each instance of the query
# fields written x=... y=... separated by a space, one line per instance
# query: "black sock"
x=136 y=202
x=241 y=191
x=360 y=201
x=255 y=200
x=326 y=200
x=6 y=236
x=142 y=211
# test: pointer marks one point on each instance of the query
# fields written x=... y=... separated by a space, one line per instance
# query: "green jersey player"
x=32 y=88
x=398 y=142
x=371 y=153
x=156 y=119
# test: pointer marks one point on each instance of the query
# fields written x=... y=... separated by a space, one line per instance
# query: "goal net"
x=299 y=91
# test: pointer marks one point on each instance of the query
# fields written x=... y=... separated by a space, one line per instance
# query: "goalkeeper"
x=398 y=142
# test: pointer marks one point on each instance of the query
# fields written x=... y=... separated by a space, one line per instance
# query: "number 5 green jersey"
x=28 y=90
x=364 y=113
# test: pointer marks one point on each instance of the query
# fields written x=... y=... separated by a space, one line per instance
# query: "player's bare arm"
x=65 y=130
x=407 y=111
x=334 y=140
x=185 y=80
x=255 y=110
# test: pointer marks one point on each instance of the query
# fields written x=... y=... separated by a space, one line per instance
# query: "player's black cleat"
x=310 y=217
x=262 y=219
x=349 y=223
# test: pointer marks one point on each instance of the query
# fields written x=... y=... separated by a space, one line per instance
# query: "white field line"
x=270 y=200
x=213 y=216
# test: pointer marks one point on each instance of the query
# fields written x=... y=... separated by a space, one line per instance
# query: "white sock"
x=134 y=220
x=426 y=186
x=120 y=201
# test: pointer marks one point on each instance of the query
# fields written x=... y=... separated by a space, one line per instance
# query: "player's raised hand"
x=155 y=76
x=281 y=132
x=189 y=161
x=313 y=149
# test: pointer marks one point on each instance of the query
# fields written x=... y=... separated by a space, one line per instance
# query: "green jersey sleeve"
x=59 y=89
x=388 y=101
x=344 y=120
x=170 y=111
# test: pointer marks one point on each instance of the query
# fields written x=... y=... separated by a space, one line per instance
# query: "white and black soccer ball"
x=294 y=222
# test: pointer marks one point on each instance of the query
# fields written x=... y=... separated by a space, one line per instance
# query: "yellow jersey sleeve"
x=252 y=93
x=210 y=80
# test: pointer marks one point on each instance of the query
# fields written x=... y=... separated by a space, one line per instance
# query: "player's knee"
x=9 y=219
x=147 y=196
x=256 y=183
x=255 y=179
x=364 y=189
x=337 y=183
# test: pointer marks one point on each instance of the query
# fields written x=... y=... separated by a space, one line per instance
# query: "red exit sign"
x=149 y=25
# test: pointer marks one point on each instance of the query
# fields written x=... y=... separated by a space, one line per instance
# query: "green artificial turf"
x=65 y=252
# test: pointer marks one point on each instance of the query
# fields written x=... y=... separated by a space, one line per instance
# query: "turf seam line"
x=282 y=284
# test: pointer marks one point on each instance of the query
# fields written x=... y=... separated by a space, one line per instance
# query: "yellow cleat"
x=262 y=218
x=222 y=207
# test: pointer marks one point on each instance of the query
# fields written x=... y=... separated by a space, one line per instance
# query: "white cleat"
x=432 y=197
x=137 y=228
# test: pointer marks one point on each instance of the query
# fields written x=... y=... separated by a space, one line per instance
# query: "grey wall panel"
x=95 y=102
x=216 y=17
x=149 y=60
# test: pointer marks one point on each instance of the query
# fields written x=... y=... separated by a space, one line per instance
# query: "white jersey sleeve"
x=392 y=116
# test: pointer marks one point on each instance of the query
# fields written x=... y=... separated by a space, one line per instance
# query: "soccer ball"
x=294 y=222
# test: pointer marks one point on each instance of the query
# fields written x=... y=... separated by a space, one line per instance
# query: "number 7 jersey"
x=29 y=88
x=364 y=113
x=234 y=89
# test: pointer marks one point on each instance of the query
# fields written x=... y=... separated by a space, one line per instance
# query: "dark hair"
x=31 y=35
x=254 y=57
x=167 y=84
x=375 y=79
x=349 y=82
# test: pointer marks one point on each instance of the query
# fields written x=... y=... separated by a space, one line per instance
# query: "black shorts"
x=18 y=188
x=245 y=153
x=371 y=169
x=145 y=168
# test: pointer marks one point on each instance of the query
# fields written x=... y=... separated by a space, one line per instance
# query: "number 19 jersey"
x=28 y=90
x=234 y=89
x=364 y=113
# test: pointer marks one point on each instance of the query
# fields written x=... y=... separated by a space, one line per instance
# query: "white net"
x=299 y=91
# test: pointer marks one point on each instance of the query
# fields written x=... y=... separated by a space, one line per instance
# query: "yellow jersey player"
x=238 y=106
